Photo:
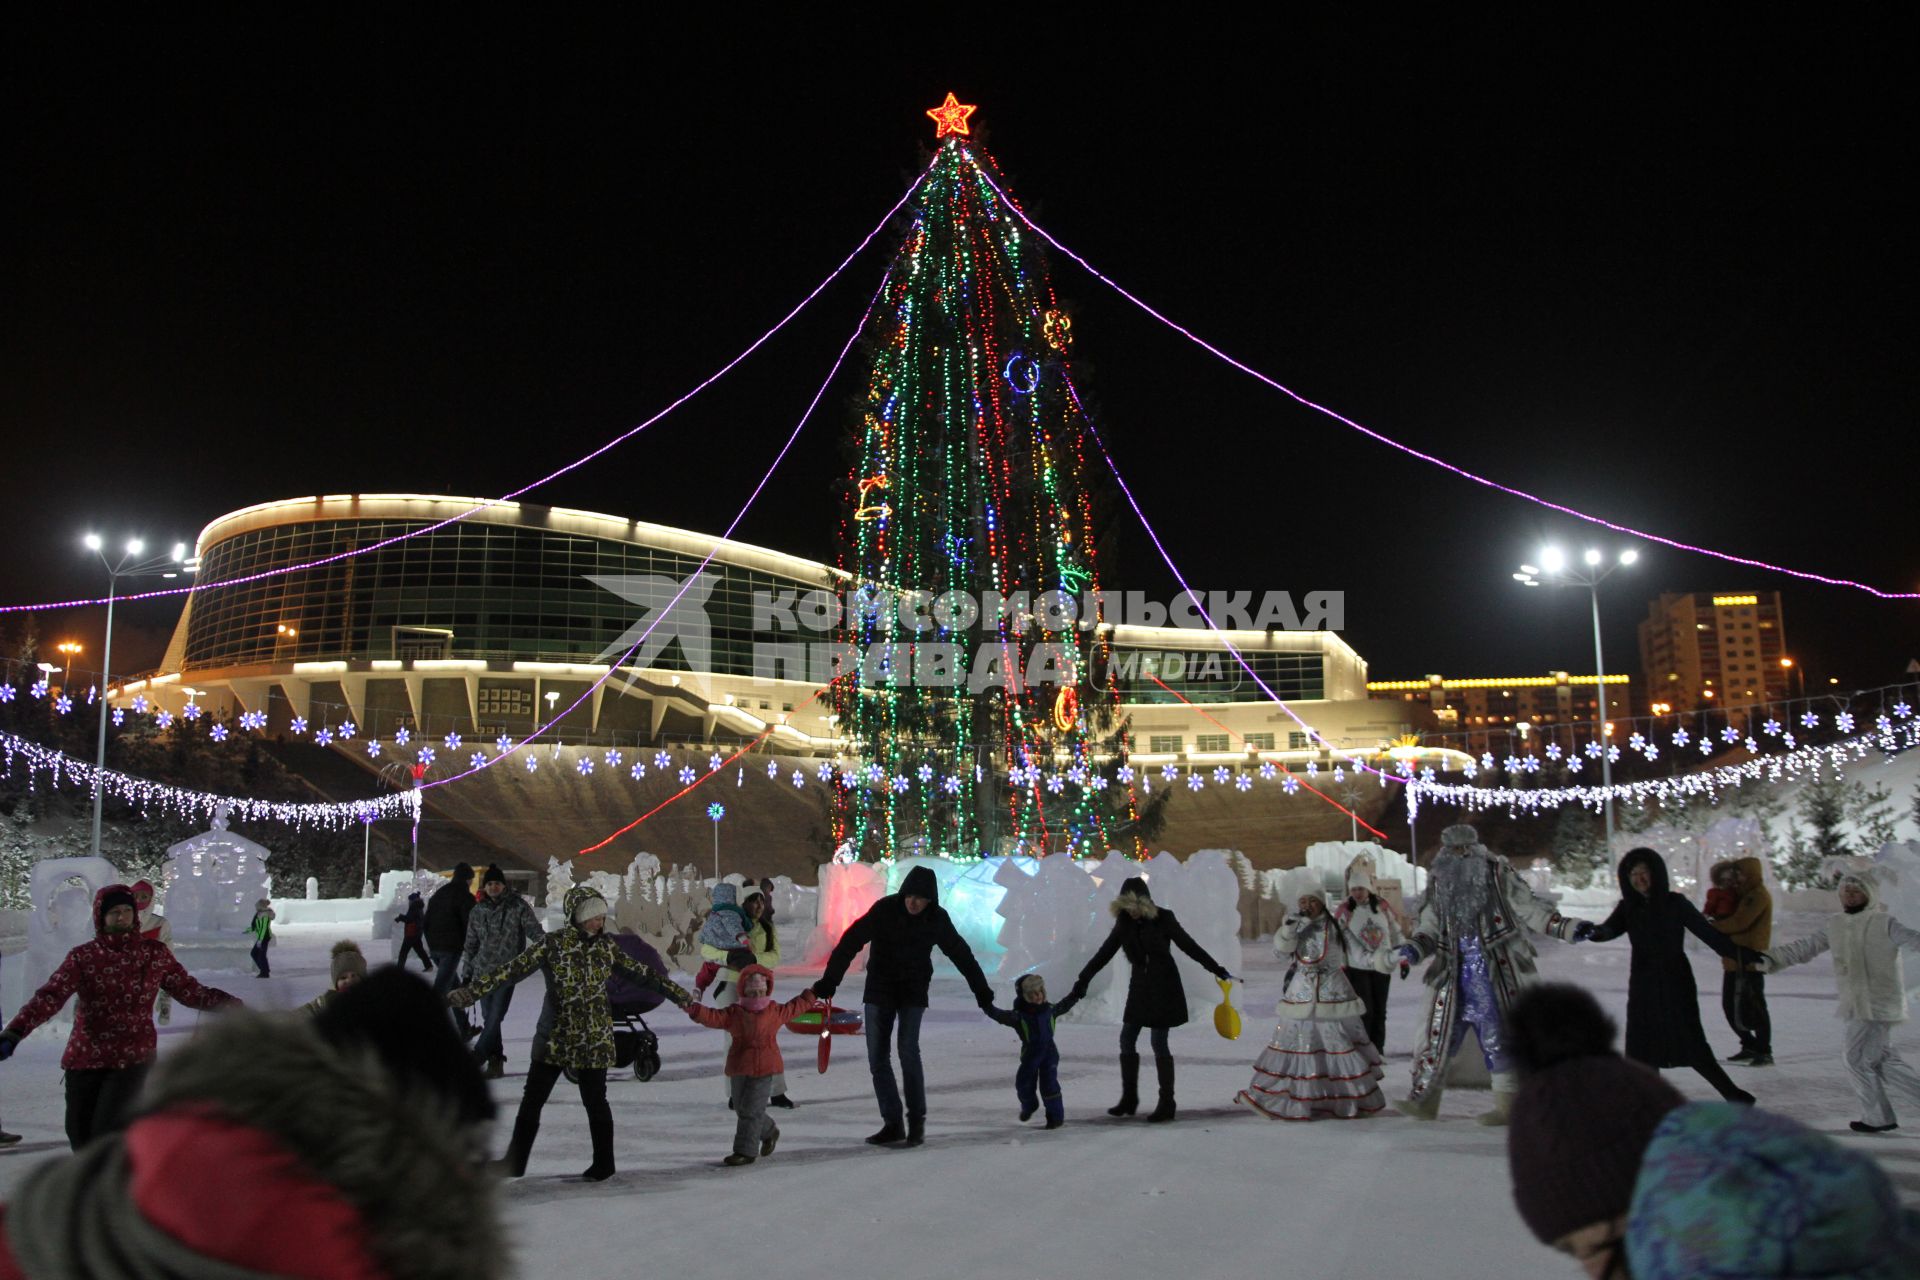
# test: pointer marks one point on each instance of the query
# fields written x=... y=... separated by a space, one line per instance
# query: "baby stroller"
x=634 y=1043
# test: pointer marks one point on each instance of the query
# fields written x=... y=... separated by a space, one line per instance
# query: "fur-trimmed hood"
x=391 y=1157
x=1134 y=900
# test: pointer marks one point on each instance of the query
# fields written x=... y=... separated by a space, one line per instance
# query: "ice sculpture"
x=214 y=879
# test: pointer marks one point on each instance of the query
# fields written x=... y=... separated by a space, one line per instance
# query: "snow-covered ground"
x=1222 y=1192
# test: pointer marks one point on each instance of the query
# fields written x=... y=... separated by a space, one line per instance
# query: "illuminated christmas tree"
x=983 y=717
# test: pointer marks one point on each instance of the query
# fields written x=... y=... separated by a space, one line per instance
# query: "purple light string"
x=1193 y=595
x=508 y=497
x=1409 y=450
x=661 y=614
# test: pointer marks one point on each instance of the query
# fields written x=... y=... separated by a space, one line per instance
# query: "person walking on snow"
x=116 y=977
x=1865 y=941
x=262 y=931
x=1473 y=926
x=1037 y=1082
x=1374 y=928
x=1147 y=933
x=752 y=1022
x=446 y=926
x=501 y=927
x=903 y=929
x=578 y=958
x=1320 y=1061
x=1747 y=921
x=1663 y=1004
x=410 y=926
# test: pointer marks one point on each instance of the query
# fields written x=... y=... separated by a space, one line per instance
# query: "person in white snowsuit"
x=1320 y=1061
x=1473 y=924
x=1865 y=940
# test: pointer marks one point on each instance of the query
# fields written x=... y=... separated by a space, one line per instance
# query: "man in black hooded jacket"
x=903 y=929
x=447 y=913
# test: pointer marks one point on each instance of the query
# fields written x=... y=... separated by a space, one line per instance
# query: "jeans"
x=1372 y=989
x=750 y=1123
x=98 y=1099
x=1037 y=1082
x=1743 y=998
x=879 y=1026
x=493 y=1013
x=259 y=954
x=446 y=970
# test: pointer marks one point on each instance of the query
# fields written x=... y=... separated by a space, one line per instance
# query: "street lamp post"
x=129 y=565
x=715 y=812
x=1553 y=568
x=68 y=648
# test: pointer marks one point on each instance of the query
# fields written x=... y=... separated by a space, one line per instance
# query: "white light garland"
x=1784 y=767
x=148 y=796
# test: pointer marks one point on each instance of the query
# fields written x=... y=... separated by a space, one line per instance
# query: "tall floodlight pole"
x=129 y=565
x=1553 y=568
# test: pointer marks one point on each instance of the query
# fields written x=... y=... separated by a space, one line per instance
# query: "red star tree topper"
x=951 y=116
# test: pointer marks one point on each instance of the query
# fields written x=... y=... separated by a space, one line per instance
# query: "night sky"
x=1665 y=274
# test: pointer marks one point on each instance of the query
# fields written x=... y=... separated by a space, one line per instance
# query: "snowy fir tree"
x=983 y=711
x=1580 y=851
x=1844 y=819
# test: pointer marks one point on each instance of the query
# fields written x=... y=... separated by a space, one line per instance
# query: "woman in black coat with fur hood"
x=1663 y=1003
x=1148 y=933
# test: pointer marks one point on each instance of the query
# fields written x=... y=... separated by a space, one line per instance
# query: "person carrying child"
x=725 y=931
x=1037 y=1082
x=753 y=1022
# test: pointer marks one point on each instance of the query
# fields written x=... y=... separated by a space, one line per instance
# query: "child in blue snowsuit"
x=1038 y=1079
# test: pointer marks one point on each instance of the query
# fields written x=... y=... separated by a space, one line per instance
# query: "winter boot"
x=520 y=1147
x=890 y=1133
x=916 y=1130
x=1426 y=1107
x=780 y=1100
x=1129 y=1086
x=734 y=1160
x=1163 y=1110
x=496 y=1068
x=1504 y=1087
x=768 y=1143
x=600 y=1129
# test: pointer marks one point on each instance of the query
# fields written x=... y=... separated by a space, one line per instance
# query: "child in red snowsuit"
x=753 y=1057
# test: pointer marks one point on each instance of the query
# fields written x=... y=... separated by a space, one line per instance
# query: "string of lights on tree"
x=1889 y=735
x=970 y=483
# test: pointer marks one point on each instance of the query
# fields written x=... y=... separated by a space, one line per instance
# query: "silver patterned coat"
x=1472 y=891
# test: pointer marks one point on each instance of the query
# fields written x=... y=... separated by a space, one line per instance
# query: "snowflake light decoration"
x=324 y=737
x=1195 y=782
x=373 y=747
x=1267 y=770
x=1056 y=784
x=38 y=689
x=1811 y=719
x=502 y=745
x=687 y=775
x=63 y=704
x=402 y=736
x=901 y=784
x=347 y=730
x=1553 y=751
x=532 y=761
x=1681 y=737
x=1220 y=775
x=1243 y=782
x=1771 y=728
x=119 y=714
x=1844 y=722
x=661 y=760
x=426 y=756
x=714 y=762
x=1169 y=773
x=6 y=693
x=139 y=704
x=800 y=779
x=218 y=733
x=612 y=759
x=1290 y=784
x=583 y=766
x=1124 y=773
x=477 y=761
x=638 y=771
